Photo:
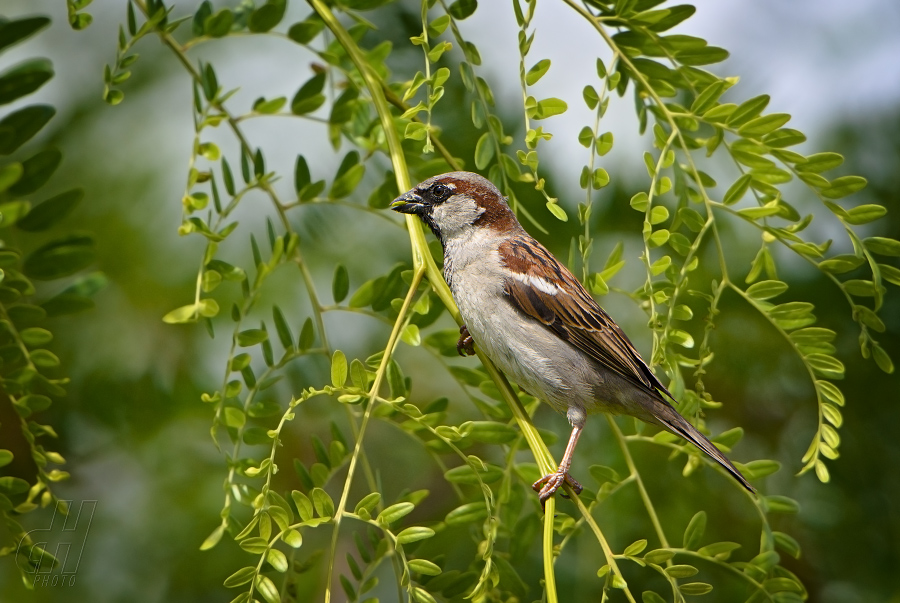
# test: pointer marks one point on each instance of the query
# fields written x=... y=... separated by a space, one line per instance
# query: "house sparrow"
x=535 y=321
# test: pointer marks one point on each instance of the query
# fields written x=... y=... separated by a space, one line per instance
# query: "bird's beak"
x=409 y=203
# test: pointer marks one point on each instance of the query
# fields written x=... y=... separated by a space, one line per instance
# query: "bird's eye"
x=439 y=191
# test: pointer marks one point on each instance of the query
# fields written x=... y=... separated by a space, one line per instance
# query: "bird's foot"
x=549 y=484
x=466 y=345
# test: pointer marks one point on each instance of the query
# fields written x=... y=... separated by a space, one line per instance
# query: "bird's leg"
x=466 y=345
x=549 y=484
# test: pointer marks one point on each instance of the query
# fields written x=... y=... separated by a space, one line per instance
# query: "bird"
x=536 y=322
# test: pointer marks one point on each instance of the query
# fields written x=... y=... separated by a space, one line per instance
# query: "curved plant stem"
x=422 y=259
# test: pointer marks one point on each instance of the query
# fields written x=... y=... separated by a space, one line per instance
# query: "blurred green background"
x=135 y=433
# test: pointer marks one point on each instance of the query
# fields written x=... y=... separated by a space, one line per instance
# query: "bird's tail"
x=669 y=418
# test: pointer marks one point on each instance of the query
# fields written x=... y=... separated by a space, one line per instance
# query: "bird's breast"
x=524 y=349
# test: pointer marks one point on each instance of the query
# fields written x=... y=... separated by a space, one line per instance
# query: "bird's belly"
x=526 y=351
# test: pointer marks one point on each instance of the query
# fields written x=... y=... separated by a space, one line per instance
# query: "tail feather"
x=669 y=418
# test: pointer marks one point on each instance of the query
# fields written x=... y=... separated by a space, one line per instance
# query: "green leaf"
x=659 y=214
x=754 y=213
x=660 y=265
x=604 y=143
x=20 y=126
x=635 y=548
x=830 y=392
x=748 y=110
x=882 y=359
x=880 y=245
x=24 y=78
x=820 y=162
x=269 y=107
x=307 y=335
x=484 y=151
x=890 y=274
x=590 y=97
x=465 y=474
x=16 y=30
x=537 y=72
x=761 y=468
x=11 y=172
x=682 y=571
x=557 y=211
x=411 y=336
x=843 y=186
x=282 y=328
x=338 y=369
x=61 y=257
x=305 y=31
x=840 y=264
x=781 y=504
x=322 y=502
x=719 y=113
x=736 y=191
x=682 y=338
x=415 y=130
x=702 y=56
x=340 y=284
x=694 y=531
x=267 y=589
x=826 y=366
x=764 y=125
x=266 y=16
x=424 y=567
x=37 y=170
x=489 y=432
x=347 y=182
x=863 y=214
x=466 y=514
x=708 y=97
x=640 y=201
x=234 y=417
x=303 y=504
x=219 y=24
x=784 y=137
x=414 y=534
x=462 y=9
x=395 y=512
x=695 y=588
x=251 y=337
x=586 y=137
x=663 y=19
x=309 y=97
x=719 y=550
x=277 y=559
x=51 y=211
x=240 y=577
x=788 y=544
x=600 y=178
x=766 y=289
x=12 y=212
x=550 y=107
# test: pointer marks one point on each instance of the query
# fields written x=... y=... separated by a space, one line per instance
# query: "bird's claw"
x=466 y=345
x=549 y=484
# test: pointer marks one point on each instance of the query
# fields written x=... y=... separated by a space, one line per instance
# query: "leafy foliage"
x=351 y=92
x=30 y=377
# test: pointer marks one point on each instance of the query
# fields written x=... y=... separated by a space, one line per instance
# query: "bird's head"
x=457 y=204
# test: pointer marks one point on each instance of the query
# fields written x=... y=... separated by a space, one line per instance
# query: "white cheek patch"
x=456 y=216
x=541 y=284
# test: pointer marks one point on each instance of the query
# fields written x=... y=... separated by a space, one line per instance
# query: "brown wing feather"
x=571 y=313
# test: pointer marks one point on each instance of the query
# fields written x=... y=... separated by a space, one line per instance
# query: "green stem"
x=645 y=496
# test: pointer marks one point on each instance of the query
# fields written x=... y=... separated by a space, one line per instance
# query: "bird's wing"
x=543 y=289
